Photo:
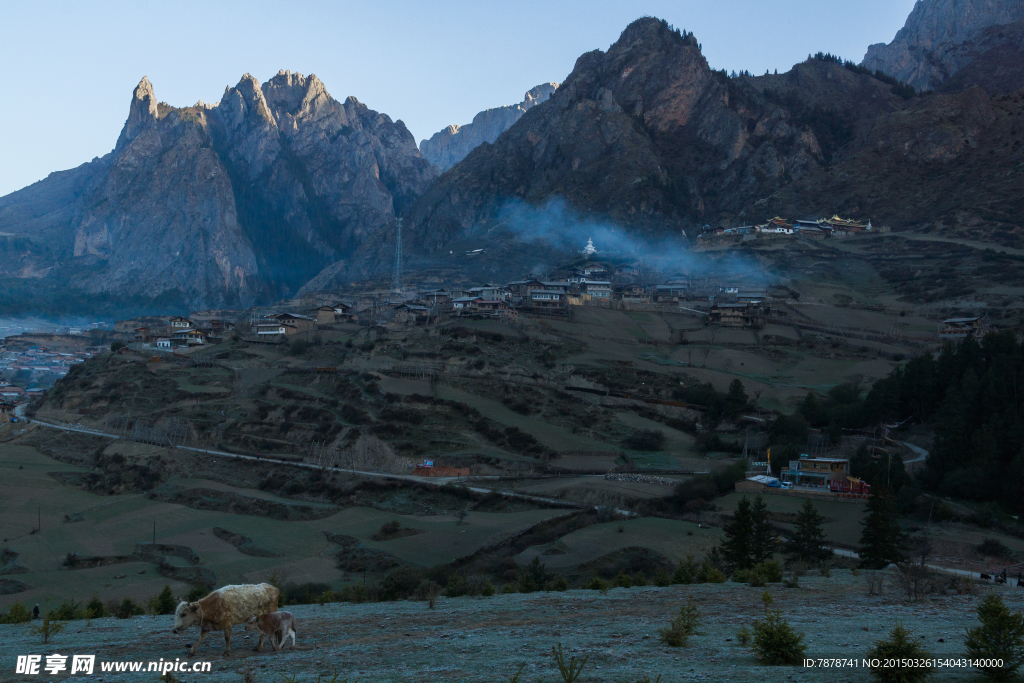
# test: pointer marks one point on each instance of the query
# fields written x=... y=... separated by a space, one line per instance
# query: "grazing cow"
x=984 y=577
x=223 y=608
x=279 y=625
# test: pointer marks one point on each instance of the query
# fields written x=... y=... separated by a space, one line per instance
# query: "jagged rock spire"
x=141 y=114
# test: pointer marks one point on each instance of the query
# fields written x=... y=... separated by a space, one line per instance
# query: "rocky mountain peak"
x=649 y=33
x=245 y=102
x=142 y=113
x=295 y=94
x=937 y=39
x=451 y=145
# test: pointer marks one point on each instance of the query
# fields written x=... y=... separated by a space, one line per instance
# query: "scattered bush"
x=915 y=580
x=710 y=574
x=488 y=588
x=687 y=571
x=743 y=635
x=570 y=671
x=400 y=583
x=509 y=588
x=561 y=584
x=662 y=579
x=682 y=627
x=126 y=609
x=900 y=645
x=993 y=547
x=457 y=586
x=95 y=609
x=770 y=571
x=69 y=610
x=303 y=593
x=17 y=614
x=875 y=582
x=163 y=602
x=1000 y=636
x=776 y=642
x=597 y=584
x=49 y=628
x=622 y=580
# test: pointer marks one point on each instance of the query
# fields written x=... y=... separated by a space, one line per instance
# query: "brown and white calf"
x=223 y=608
x=279 y=625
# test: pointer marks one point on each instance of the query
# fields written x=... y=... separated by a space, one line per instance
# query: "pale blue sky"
x=71 y=66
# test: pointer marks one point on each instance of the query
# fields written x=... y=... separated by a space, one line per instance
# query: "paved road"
x=436 y=481
x=921 y=453
x=947 y=570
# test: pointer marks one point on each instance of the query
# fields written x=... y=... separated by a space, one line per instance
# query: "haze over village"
x=662 y=372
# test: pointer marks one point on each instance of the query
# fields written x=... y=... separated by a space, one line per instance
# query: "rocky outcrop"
x=648 y=135
x=223 y=205
x=942 y=37
x=450 y=146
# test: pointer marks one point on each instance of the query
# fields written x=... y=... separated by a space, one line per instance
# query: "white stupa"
x=589 y=250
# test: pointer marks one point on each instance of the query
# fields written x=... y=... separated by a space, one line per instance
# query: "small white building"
x=163 y=343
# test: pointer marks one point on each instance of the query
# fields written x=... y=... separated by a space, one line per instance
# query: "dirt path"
x=917 y=237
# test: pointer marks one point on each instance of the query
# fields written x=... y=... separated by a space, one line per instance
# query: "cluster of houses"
x=592 y=285
x=24 y=374
x=812 y=229
x=180 y=331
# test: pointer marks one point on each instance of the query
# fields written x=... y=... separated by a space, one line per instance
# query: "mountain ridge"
x=449 y=146
x=942 y=37
x=227 y=204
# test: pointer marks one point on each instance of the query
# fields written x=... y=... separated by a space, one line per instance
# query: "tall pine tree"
x=749 y=537
x=808 y=543
x=737 y=532
x=882 y=540
x=762 y=535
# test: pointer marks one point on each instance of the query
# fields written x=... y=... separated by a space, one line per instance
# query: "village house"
x=547 y=298
x=520 y=289
x=489 y=291
x=189 y=337
x=626 y=271
x=776 y=226
x=220 y=327
x=180 y=323
x=955 y=329
x=324 y=315
x=808 y=471
x=633 y=292
x=163 y=343
x=302 y=323
x=665 y=294
x=598 y=289
x=464 y=302
x=494 y=307
x=735 y=315
x=436 y=297
x=143 y=334
x=405 y=314
x=750 y=297
x=271 y=330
